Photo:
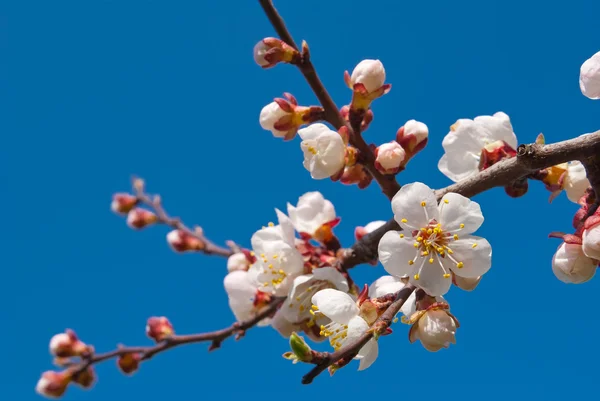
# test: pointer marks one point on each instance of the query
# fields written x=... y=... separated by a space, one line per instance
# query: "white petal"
x=312 y=131
x=282 y=325
x=336 y=305
x=591 y=242
x=357 y=326
x=286 y=227
x=395 y=253
x=570 y=265
x=460 y=210
x=431 y=278
x=328 y=211
x=385 y=285
x=407 y=204
x=589 y=77
x=576 y=182
x=374 y=225
x=477 y=261
x=333 y=276
x=498 y=128
x=410 y=306
x=370 y=352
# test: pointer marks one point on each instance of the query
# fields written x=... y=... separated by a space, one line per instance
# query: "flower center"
x=312 y=150
x=336 y=333
x=271 y=270
x=303 y=300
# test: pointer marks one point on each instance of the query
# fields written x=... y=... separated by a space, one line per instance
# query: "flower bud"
x=570 y=265
x=271 y=51
x=283 y=117
x=575 y=182
x=589 y=77
x=129 y=363
x=360 y=232
x=85 y=379
x=300 y=348
x=517 y=188
x=139 y=218
x=238 y=261
x=53 y=384
x=369 y=73
x=66 y=345
x=159 y=328
x=413 y=136
x=493 y=152
x=122 y=203
x=591 y=237
x=389 y=157
x=356 y=174
x=436 y=329
x=181 y=241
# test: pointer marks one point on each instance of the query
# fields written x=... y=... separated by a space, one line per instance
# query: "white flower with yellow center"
x=298 y=304
x=324 y=150
x=311 y=213
x=347 y=324
x=435 y=242
x=278 y=262
x=245 y=298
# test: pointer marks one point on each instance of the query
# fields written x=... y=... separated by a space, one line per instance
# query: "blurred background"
x=94 y=92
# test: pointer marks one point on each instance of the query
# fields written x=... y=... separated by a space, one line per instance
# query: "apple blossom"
x=369 y=73
x=591 y=237
x=472 y=145
x=389 y=157
x=53 y=384
x=347 y=324
x=570 y=265
x=360 y=232
x=245 y=298
x=589 y=77
x=431 y=249
x=271 y=51
x=324 y=150
x=297 y=305
x=313 y=216
x=412 y=136
x=434 y=327
x=278 y=262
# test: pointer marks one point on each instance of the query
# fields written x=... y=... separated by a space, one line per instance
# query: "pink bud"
x=129 y=363
x=53 y=384
x=389 y=157
x=369 y=73
x=413 y=136
x=139 y=218
x=65 y=345
x=271 y=51
x=159 y=328
x=181 y=241
x=122 y=203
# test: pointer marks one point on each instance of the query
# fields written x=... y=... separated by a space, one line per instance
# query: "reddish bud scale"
x=159 y=328
x=182 y=241
x=85 y=379
x=122 y=203
x=66 y=345
x=140 y=218
x=129 y=363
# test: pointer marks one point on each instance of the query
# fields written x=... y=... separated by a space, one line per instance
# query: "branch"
x=530 y=158
x=388 y=183
x=155 y=203
x=347 y=352
x=215 y=337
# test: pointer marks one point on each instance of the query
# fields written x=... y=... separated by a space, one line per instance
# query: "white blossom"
x=435 y=241
x=466 y=140
x=245 y=298
x=237 y=261
x=324 y=150
x=311 y=213
x=270 y=115
x=370 y=73
x=589 y=77
x=575 y=182
x=436 y=329
x=570 y=265
x=346 y=323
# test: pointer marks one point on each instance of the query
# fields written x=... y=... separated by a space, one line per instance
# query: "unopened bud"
x=356 y=174
x=181 y=241
x=238 y=261
x=300 y=348
x=570 y=265
x=85 y=379
x=129 y=363
x=122 y=203
x=413 y=136
x=66 y=345
x=271 y=51
x=139 y=218
x=369 y=73
x=53 y=384
x=389 y=158
x=517 y=188
x=283 y=117
x=159 y=328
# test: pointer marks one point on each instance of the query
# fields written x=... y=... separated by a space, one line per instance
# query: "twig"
x=155 y=203
x=215 y=337
x=388 y=183
x=349 y=351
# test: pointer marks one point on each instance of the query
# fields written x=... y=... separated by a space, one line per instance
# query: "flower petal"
x=408 y=203
x=370 y=352
x=333 y=276
x=475 y=253
x=312 y=131
x=456 y=209
x=286 y=227
x=431 y=278
x=336 y=305
x=395 y=253
x=357 y=326
x=385 y=285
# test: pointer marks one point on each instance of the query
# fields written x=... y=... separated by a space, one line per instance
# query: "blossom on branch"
x=53 y=384
x=245 y=298
x=589 y=77
x=347 y=323
x=412 y=136
x=67 y=344
x=139 y=218
x=474 y=145
x=122 y=203
x=570 y=177
x=436 y=240
x=389 y=158
x=283 y=117
x=182 y=241
x=435 y=327
x=324 y=151
x=240 y=261
x=159 y=328
x=313 y=216
x=367 y=83
x=570 y=264
x=271 y=51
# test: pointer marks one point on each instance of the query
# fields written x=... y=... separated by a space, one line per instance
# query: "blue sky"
x=94 y=92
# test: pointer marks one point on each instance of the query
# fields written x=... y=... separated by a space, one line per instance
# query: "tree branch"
x=155 y=203
x=215 y=337
x=388 y=183
x=349 y=351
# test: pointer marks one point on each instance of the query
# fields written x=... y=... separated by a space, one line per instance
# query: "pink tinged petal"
x=416 y=203
x=436 y=330
x=385 y=285
x=474 y=252
x=333 y=276
x=431 y=277
x=241 y=292
x=455 y=210
x=589 y=77
x=395 y=253
x=370 y=352
x=336 y=305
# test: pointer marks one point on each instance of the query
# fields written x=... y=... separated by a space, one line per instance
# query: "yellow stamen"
x=270 y=224
x=455 y=236
x=460 y=265
x=462 y=225
x=401 y=235
x=410 y=262
x=404 y=221
x=447 y=275
x=474 y=245
x=430 y=260
x=423 y=204
x=312 y=150
x=314 y=307
x=446 y=201
x=416 y=276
